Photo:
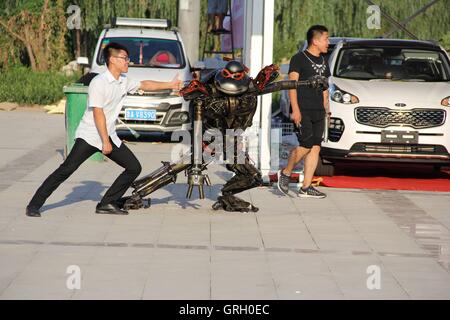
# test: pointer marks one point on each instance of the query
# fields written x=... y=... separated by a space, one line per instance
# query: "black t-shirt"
x=310 y=100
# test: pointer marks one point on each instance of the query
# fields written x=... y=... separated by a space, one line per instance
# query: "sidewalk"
x=182 y=249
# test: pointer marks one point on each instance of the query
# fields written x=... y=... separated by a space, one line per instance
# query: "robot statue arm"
x=267 y=75
x=194 y=90
x=264 y=81
x=319 y=83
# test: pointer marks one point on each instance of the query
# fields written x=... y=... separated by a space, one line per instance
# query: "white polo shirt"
x=107 y=93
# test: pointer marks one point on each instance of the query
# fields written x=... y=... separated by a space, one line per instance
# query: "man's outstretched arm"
x=150 y=85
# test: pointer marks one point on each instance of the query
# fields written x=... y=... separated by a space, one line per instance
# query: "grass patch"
x=22 y=85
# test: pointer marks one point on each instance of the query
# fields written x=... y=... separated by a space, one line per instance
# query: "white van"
x=156 y=53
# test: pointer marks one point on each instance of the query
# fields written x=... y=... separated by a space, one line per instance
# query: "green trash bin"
x=75 y=106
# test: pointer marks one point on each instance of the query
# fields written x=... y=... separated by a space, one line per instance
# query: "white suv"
x=389 y=101
x=156 y=53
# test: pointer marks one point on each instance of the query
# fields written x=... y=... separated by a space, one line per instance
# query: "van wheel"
x=324 y=169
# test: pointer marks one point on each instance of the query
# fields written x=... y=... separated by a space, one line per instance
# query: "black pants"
x=80 y=152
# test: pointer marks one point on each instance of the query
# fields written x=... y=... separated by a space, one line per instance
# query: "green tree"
x=348 y=18
x=445 y=41
x=39 y=27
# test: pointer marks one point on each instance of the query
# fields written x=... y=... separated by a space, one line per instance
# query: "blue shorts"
x=217 y=6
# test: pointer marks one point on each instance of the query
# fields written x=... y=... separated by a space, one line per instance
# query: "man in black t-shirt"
x=310 y=108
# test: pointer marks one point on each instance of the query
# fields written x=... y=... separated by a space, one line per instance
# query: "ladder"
x=208 y=35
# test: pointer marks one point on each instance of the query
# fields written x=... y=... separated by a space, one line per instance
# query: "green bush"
x=23 y=86
x=445 y=42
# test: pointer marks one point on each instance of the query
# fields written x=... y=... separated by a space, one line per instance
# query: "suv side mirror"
x=83 y=61
x=198 y=66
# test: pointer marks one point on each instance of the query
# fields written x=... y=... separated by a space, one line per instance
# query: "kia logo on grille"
x=400 y=104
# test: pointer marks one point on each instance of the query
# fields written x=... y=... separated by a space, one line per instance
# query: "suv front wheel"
x=324 y=169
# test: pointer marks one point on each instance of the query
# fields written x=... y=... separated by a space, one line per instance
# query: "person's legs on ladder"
x=212 y=15
x=222 y=9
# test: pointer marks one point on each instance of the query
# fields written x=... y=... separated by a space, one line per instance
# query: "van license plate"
x=403 y=137
x=140 y=114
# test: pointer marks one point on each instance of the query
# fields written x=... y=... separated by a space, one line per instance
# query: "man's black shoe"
x=109 y=208
x=32 y=211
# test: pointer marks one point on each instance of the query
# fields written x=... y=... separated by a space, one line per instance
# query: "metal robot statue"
x=225 y=99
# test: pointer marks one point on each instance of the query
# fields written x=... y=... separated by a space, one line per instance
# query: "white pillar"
x=189 y=25
x=258 y=52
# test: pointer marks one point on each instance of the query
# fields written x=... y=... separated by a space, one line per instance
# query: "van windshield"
x=390 y=63
x=149 y=52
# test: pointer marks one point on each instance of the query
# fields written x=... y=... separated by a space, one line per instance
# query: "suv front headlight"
x=446 y=102
x=341 y=96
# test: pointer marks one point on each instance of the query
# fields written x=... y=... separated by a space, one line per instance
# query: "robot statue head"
x=233 y=79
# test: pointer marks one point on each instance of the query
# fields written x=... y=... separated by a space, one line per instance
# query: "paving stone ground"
x=182 y=249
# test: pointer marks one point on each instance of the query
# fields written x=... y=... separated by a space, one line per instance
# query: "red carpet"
x=389 y=177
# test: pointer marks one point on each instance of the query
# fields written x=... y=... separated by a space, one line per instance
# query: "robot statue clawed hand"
x=224 y=99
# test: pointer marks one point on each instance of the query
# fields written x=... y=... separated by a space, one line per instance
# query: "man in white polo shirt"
x=96 y=132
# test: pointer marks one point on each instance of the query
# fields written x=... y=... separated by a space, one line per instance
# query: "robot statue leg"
x=197 y=178
x=159 y=178
x=246 y=177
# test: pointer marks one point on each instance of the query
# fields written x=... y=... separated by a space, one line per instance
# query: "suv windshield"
x=149 y=52
x=392 y=63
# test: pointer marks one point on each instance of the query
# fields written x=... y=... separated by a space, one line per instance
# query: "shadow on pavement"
x=87 y=190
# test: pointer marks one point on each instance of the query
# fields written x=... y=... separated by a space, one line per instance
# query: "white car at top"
x=157 y=53
x=390 y=102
